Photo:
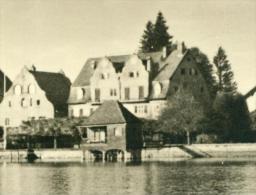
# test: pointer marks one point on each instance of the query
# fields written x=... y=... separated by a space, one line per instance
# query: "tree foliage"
x=156 y=35
x=181 y=115
x=225 y=76
x=229 y=119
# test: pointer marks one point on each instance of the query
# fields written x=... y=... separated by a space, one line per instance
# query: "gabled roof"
x=111 y=112
x=172 y=63
x=55 y=85
x=118 y=62
x=7 y=82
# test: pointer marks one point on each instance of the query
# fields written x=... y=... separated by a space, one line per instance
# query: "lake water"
x=203 y=176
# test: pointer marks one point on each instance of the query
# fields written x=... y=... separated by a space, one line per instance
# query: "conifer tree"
x=156 y=35
x=147 y=42
x=161 y=35
x=225 y=76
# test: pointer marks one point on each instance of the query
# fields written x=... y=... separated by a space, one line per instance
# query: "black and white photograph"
x=127 y=97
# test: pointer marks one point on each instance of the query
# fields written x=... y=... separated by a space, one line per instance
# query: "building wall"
x=134 y=75
x=139 y=109
x=31 y=102
x=156 y=107
x=105 y=80
x=86 y=110
x=188 y=78
x=113 y=141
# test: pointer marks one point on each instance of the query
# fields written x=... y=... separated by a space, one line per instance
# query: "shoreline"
x=171 y=153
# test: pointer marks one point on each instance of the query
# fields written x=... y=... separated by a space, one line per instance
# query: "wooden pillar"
x=103 y=156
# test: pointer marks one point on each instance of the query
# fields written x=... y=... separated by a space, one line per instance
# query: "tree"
x=181 y=115
x=225 y=75
x=161 y=35
x=147 y=42
x=156 y=35
x=229 y=119
x=206 y=69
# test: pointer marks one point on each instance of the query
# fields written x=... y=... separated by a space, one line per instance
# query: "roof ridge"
x=120 y=110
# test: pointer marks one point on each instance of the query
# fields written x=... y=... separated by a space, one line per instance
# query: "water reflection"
x=194 y=176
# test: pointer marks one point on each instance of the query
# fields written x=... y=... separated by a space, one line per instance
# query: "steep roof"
x=8 y=84
x=118 y=61
x=55 y=85
x=172 y=63
x=111 y=112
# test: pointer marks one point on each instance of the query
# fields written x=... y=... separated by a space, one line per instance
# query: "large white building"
x=33 y=95
x=141 y=82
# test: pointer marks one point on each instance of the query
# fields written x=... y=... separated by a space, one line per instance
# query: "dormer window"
x=157 y=88
x=80 y=93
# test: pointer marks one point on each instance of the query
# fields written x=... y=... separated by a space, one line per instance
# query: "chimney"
x=61 y=72
x=164 y=52
x=33 y=68
x=148 y=64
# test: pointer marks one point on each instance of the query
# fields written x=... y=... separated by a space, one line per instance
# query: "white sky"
x=62 y=34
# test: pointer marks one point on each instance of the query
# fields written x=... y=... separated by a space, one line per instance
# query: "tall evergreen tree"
x=225 y=76
x=156 y=35
x=147 y=41
x=161 y=35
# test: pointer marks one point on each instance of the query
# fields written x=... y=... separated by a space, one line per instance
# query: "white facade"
x=23 y=101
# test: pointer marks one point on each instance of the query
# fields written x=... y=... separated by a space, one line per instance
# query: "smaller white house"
x=34 y=95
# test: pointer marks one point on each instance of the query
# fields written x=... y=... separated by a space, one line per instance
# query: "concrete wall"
x=227 y=150
x=12 y=108
x=163 y=154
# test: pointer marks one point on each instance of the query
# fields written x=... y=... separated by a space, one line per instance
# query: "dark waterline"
x=214 y=176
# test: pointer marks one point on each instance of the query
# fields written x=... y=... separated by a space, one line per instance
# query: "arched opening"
x=114 y=155
x=97 y=155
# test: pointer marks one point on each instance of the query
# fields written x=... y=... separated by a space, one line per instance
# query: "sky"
x=62 y=34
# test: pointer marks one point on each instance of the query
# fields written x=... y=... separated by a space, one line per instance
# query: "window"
x=135 y=109
x=202 y=89
x=102 y=76
x=176 y=88
x=137 y=74
x=22 y=102
x=10 y=104
x=97 y=95
x=91 y=110
x=141 y=92
x=183 y=71
x=31 y=102
x=98 y=135
x=131 y=74
x=145 y=109
x=113 y=92
x=126 y=93
x=118 y=131
x=38 y=102
x=81 y=112
x=17 y=90
x=31 y=89
x=84 y=132
x=80 y=93
x=7 y=121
